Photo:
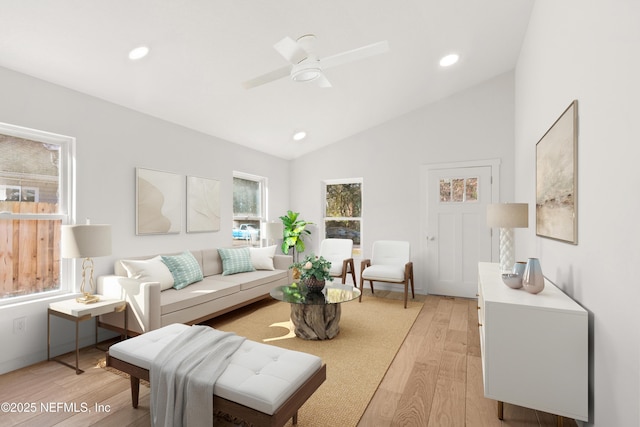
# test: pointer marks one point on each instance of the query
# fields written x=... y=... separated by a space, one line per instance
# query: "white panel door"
x=457 y=233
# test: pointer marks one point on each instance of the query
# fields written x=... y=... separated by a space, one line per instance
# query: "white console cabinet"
x=534 y=347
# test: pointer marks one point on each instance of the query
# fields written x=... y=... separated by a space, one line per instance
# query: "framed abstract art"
x=203 y=204
x=158 y=202
x=556 y=179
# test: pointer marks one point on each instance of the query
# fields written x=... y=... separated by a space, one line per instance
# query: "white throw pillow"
x=262 y=258
x=149 y=270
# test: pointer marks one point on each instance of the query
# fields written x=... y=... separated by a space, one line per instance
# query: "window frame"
x=356 y=250
x=66 y=204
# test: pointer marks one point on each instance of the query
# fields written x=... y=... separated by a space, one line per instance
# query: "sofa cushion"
x=206 y=290
x=385 y=273
x=184 y=268
x=236 y=260
x=149 y=270
x=256 y=278
x=262 y=258
x=211 y=262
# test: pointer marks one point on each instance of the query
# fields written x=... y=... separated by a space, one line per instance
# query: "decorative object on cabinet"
x=507 y=216
x=86 y=241
x=517 y=332
x=556 y=179
x=512 y=280
x=518 y=268
x=532 y=278
x=158 y=202
x=203 y=205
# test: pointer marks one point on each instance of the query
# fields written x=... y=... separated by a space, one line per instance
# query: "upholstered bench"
x=263 y=385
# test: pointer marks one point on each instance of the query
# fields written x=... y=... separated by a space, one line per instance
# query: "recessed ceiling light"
x=138 y=53
x=299 y=136
x=449 y=60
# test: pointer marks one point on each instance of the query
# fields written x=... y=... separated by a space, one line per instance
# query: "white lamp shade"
x=86 y=241
x=508 y=215
x=274 y=230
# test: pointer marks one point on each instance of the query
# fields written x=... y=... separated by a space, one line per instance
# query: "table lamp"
x=507 y=216
x=274 y=232
x=86 y=241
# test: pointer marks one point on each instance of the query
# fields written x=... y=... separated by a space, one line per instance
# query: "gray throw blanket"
x=183 y=375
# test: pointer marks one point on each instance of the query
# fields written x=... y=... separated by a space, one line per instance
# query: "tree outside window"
x=343 y=210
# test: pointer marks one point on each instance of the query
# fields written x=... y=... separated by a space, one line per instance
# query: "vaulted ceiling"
x=201 y=51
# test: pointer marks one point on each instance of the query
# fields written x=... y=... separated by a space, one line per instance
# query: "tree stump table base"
x=316 y=322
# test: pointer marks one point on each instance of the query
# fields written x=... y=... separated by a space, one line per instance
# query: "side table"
x=78 y=312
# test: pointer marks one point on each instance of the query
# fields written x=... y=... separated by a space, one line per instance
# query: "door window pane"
x=445 y=190
x=471 y=189
x=458 y=190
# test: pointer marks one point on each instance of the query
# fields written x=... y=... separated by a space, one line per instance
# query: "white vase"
x=532 y=278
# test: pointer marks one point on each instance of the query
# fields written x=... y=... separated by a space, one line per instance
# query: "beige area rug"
x=370 y=335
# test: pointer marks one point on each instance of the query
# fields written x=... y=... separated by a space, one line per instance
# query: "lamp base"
x=507 y=250
x=87 y=298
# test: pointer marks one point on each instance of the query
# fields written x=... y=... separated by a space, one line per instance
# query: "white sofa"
x=154 y=303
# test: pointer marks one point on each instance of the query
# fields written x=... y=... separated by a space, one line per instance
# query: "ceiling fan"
x=305 y=64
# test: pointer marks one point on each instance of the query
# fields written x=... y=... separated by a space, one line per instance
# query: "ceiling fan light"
x=305 y=72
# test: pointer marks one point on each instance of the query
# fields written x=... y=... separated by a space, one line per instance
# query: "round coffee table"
x=316 y=315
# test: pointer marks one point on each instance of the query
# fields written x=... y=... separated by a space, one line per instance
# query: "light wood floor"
x=435 y=380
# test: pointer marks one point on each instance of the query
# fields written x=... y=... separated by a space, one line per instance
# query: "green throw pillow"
x=235 y=261
x=184 y=268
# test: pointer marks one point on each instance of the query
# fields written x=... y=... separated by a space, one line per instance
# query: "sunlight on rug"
x=370 y=335
x=288 y=325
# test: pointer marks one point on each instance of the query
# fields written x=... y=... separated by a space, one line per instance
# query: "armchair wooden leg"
x=361 y=288
x=352 y=269
x=413 y=291
x=406 y=292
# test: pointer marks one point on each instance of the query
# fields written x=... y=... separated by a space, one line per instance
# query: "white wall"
x=589 y=51
x=111 y=142
x=475 y=124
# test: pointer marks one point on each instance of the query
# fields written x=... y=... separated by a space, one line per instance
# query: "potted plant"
x=293 y=233
x=314 y=272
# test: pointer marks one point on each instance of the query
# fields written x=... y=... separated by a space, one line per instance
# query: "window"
x=459 y=190
x=35 y=198
x=249 y=194
x=343 y=210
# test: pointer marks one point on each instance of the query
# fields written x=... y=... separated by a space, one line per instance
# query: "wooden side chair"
x=339 y=253
x=390 y=262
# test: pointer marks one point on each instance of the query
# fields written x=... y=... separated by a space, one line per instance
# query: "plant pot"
x=314 y=285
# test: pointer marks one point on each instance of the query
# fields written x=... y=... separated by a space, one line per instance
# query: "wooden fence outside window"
x=29 y=250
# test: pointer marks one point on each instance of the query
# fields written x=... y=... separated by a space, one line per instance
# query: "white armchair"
x=339 y=253
x=390 y=262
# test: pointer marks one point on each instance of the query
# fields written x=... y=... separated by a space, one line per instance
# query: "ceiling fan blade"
x=355 y=54
x=268 y=77
x=323 y=81
x=290 y=50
